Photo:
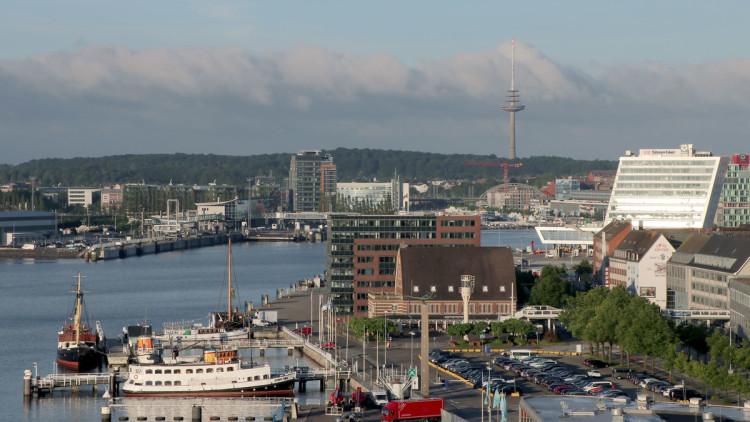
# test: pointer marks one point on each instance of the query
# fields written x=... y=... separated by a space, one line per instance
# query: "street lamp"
x=411 y=347
x=385 y=340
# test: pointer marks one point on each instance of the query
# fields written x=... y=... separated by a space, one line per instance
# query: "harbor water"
x=168 y=287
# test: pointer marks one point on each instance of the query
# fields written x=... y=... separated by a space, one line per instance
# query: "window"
x=416 y=289
x=433 y=289
x=485 y=289
x=149 y=383
x=167 y=382
x=450 y=288
x=177 y=371
x=149 y=371
x=210 y=370
x=188 y=371
x=219 y=369
x=178 y=383
x=157 y=383
x=257 y=377
x=168 y=371
x=502 y=288
x=199 y=371
x=157 y=371
x=230 y=369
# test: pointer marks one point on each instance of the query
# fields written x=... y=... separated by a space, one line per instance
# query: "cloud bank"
x=104 y=100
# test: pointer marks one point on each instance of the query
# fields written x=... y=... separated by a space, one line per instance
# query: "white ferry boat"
x=220 y=374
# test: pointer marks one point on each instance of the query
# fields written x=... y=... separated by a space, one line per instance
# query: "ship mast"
x=79 y=310
x=229 y=313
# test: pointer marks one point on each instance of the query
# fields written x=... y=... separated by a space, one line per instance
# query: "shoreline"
x=39 y=253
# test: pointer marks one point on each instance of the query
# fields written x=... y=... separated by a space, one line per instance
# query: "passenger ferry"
x=219 y=374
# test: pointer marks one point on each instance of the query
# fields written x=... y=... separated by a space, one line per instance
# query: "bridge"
x=697 y=314
x=540 y=312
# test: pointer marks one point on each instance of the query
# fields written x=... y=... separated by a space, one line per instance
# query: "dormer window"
x=485 y=289
x=450 y=288
x=433 y=289
x=416 y=289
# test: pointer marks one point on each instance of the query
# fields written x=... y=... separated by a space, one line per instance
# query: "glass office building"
x=668 y=188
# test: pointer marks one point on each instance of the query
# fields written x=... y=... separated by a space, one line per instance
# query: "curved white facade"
x=668 y=188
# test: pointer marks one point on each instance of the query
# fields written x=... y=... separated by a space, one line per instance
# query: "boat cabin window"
x=188 y=371
x=157 y=371
x=167 y=382
x=209 y=370
x=149 y=371
x=167 y=371
x=157 y=383
x=131 y=382
x=257 y=377
x=178 y=383
x=265 y=376
x=177 y=371
x=149 y=383
x=199 y=371
x=230 y=369
x=219 y=369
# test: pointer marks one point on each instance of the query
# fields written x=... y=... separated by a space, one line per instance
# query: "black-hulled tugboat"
x=78 y=346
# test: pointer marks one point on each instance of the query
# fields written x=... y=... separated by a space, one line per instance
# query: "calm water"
x=168 y=287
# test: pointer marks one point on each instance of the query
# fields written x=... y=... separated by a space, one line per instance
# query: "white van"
x=521 y=354
x=28 y=246
x=379 y=397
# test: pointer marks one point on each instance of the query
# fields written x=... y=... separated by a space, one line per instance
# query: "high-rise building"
x=668 y=188
x=362 y=250
x=735 y=195
x=312 y=180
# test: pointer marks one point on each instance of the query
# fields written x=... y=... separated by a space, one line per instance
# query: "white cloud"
x=112 y=99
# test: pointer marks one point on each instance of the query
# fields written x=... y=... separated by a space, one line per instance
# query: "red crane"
x=506 y=165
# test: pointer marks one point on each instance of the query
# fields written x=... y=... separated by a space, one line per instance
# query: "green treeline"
x=607 y=318
x=353 y=165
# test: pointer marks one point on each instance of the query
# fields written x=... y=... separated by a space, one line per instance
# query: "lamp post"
x=385 y=340
x=411 y=348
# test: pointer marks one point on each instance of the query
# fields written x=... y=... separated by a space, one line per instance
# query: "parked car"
x=621 y=373
x=351 y=417
x=594 y=373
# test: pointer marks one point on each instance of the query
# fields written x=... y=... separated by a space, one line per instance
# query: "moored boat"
x=79 y=347
x=220 y=374
x=222 y=326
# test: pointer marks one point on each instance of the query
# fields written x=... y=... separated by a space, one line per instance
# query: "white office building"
x=668 y=188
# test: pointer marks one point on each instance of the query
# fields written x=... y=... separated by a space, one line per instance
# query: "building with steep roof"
x=677 y=296
x=721 y=259
x=639 y=263
x=435 y=274
x=605 y=241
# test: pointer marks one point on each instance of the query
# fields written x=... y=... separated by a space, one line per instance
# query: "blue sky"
x=94 y=78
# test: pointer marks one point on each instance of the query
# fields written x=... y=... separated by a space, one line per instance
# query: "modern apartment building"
x=312 y=180
x=668 y=188
x=734 y=209
x=362 y=250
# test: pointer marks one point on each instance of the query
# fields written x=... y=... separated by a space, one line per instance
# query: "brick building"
x=362 y=250
x=435 y=273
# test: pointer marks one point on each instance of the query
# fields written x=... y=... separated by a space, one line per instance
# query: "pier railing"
x=243 y=343
x=331 y=359
x=72 y=380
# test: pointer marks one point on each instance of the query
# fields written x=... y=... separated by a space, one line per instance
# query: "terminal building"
x=20 y=227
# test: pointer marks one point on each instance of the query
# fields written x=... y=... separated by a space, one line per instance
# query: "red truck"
x=406 y=410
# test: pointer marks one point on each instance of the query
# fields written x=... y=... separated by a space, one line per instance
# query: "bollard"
x=197 y=413
x=27 y=382
x=106 y=414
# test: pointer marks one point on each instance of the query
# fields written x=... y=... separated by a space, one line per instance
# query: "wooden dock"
x=73 y=381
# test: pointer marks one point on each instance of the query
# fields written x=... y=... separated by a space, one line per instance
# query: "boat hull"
x=79 y=358
x=284 y=389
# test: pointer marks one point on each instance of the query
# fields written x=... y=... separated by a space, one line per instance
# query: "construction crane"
x=506 y=165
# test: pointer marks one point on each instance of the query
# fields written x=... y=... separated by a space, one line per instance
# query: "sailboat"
x=79 y=348
x=229 y=325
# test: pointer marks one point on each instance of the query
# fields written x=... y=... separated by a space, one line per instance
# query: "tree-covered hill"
x=352 y=165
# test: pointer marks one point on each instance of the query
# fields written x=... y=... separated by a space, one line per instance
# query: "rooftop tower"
x=514 y=103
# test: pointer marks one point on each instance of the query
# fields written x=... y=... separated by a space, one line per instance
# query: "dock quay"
x=153 y=245
x=196 y=409
x=47 y=385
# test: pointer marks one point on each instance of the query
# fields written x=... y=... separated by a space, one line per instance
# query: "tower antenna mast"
x=513 y=102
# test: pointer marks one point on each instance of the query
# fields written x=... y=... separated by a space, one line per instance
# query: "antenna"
x=513 y=100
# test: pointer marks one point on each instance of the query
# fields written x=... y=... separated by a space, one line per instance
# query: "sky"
x=97 y=78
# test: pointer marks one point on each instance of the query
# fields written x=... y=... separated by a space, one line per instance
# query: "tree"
x=459 y=330
x=551 y=289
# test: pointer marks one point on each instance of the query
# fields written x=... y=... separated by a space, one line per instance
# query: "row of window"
x=188 y=370
x=458 y=235
x=451 y=289
x=456 y=308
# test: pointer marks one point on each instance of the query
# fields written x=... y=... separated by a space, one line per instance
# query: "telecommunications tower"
x=514 y=104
